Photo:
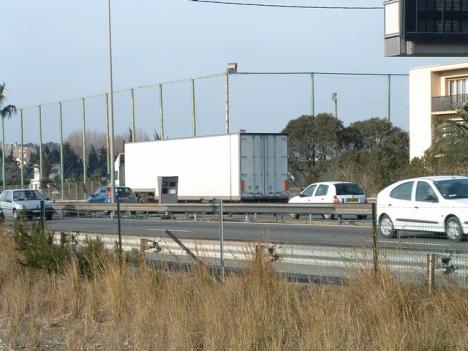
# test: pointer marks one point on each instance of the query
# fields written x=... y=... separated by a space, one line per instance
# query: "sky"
x=57 y=50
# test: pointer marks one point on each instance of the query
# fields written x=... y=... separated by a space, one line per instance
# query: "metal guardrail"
x=228 y=208
x=289 y=258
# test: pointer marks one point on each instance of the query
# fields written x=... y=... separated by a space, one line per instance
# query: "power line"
x=289 y=6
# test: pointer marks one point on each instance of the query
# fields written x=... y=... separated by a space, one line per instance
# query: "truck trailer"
x=239 y=167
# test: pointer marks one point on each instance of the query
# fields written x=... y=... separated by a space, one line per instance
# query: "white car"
x=427 y=204
x=337 y=192
x=25 y=201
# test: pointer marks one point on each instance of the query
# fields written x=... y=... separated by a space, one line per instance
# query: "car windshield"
x=348 y=189
x=124 y=191
x=26 y=195
x=453 y=189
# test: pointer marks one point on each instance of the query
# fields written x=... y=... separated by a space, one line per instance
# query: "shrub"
x=92 y=257
x=37 y=248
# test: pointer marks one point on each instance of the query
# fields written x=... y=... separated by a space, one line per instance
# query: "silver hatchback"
x=17 y=202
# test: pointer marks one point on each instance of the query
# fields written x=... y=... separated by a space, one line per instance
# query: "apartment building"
x=15 y=149
x=435 y=93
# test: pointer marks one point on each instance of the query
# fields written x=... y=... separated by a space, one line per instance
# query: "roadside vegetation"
x=371 y=152
x=60 y=299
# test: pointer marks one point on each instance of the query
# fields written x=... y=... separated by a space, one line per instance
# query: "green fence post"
x=194 y=121
x=62 y=176
x=312 y=94
x=161 y=111
x=83 y=112
x=107 y=135
x=22 y=148
x=132 y=100
x=375 y=239
x=3 y=154
x=389 y=92
x=40 y=144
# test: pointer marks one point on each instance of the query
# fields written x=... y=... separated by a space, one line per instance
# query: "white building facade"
x=435 y=93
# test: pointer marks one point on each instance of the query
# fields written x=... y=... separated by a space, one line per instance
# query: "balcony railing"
x=449 y=103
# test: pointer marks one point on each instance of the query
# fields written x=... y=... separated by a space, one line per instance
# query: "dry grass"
x=123 y=308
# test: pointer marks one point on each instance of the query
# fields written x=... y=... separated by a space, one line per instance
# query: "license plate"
x=354 y=199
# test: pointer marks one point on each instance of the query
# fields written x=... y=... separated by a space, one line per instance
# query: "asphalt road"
x=329 y=234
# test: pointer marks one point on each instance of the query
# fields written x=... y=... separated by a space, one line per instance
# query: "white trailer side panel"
x=264 y=164
x=206 y=167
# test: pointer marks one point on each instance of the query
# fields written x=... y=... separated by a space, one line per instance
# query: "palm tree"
x=456 y=130
x=451 y=139
x=5 y=112
x=8 y=110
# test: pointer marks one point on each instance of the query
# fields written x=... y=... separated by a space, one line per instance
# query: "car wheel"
x=453 y=229
x=294 y=215
x=328 y=216
x=386 y=227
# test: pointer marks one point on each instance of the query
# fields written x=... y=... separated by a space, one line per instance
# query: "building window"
x=458 y=87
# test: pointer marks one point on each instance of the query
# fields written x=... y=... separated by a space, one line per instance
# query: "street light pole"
x=226 y=103
x=231 y=69
x=111 y=132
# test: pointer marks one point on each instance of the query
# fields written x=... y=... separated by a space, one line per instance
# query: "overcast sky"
x=58 y=49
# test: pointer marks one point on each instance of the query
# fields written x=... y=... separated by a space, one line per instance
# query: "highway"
x=327 y=233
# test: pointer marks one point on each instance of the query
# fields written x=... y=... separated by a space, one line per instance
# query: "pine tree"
x=93 y=162
x=72 y=163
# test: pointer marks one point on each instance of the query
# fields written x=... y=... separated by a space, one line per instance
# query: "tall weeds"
x=127 y=307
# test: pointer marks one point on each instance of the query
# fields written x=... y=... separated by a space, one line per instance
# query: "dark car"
x=103 y=194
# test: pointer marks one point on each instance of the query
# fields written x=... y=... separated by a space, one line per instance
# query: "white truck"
x=240 y=167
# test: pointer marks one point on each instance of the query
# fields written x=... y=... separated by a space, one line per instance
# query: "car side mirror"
x=431 y=198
